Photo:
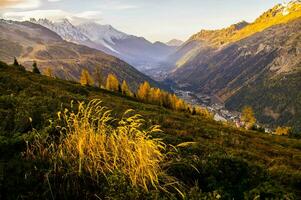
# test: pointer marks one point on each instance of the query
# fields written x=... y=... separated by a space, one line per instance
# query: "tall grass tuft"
x=95 y=144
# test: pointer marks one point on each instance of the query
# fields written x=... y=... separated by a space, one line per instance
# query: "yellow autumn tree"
x=173 y=101
x=283 y=131
x=180 y=105
x=112 y=83
x=143 y=92
x=247 y=116
x=155 y=96
x=85 y=78
x=125 y=89
x=48 y=72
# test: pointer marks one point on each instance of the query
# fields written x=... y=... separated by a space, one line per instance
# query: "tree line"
x=148 y=94
x=145 y=92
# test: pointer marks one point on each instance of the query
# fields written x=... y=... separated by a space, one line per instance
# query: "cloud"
x=6 y=3
x=54 y=15
x=23 y=4
x=116 y=5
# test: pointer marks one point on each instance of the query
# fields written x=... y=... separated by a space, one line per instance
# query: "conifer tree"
x=248 y=117
x=16 y=63
x=157 y=96
x=125 y=89
x=98 y=77
x=18 y=66
x=48 y=72
x=173 y=101
x=85 y=78
x=283 y=130
x=193 y=111
x=112 y=83
x=143 y=92
x=152 y=95
x=35 y=68
x=180 y=104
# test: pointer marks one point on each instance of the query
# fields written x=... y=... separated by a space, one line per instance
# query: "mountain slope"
x=28 y=41
x=222 y=160
x=245 y=71
x=280 y=14
x=137 y=51
x=174 y=42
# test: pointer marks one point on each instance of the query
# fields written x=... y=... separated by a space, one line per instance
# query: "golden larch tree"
x=112 y=83
x=180 y=105
x=143 y=92
x=48 y=72
x=173 y=101
x=125 y=89
x=157 y=96
x=85 y=78
x=283 y=131
x=247 y=116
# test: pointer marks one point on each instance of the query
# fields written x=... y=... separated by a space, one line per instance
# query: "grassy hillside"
x=222 y=163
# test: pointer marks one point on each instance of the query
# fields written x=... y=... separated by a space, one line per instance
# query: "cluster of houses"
x=219 y=111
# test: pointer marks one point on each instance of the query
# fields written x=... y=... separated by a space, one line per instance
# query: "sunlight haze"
x=155 y=20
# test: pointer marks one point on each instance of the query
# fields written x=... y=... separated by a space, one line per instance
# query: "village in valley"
x=217 y=108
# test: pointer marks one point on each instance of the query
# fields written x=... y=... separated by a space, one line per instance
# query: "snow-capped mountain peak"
x=64 y=28
x=135 y=50
x=101 y=33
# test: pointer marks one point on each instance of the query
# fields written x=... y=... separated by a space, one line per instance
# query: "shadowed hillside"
x=216 y=162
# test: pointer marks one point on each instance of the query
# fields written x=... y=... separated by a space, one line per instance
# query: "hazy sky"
x=153 y=19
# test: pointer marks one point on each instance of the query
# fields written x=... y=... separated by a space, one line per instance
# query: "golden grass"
x=92 y=145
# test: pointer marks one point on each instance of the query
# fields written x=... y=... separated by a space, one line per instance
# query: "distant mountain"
x=63 y=28
x=281 y=13
x=137 y=51
x=29 y=41
x=257 y=64
x=174 y=43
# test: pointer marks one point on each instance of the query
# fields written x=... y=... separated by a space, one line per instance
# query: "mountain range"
x=256 y=64
x=32 y=42
x=136 y=51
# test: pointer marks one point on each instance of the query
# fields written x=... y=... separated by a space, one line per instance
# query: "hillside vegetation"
x=194 y=157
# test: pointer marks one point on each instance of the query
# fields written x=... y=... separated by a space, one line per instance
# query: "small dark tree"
x=98 y=77
x=35 y=68
x=16 y=63
x=193 y=111
x=119 y=88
